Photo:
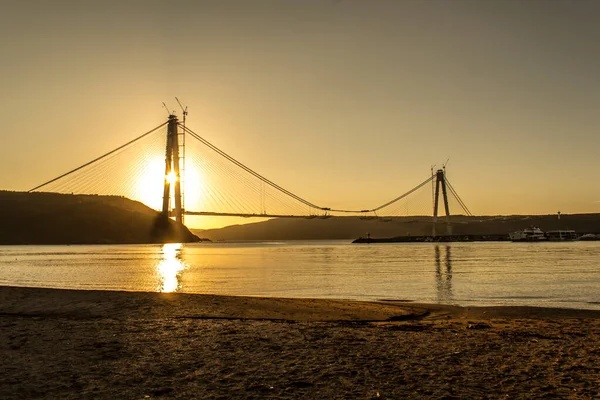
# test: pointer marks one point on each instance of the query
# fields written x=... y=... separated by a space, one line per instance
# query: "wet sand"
x=123 y=345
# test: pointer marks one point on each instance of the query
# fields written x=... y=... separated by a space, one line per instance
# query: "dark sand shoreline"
x=132 y=345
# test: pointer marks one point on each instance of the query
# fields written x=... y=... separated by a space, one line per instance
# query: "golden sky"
x=346 y=103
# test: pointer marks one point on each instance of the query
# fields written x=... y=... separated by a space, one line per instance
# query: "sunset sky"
x=346 y=103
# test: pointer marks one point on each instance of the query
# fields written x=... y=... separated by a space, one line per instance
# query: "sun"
x=149 y=188
x=171 y=177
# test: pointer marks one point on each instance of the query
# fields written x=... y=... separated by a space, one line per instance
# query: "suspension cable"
x=250 y=171
x=462 y=204
x=404 y=195
x=99 y=158
x=287 y=192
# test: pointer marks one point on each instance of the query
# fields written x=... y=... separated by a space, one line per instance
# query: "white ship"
x=533 y=234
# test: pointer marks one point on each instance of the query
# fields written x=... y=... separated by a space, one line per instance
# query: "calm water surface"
x=541 y=274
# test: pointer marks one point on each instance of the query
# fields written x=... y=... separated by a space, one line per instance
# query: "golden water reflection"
x=443 y=276
x=170 y=268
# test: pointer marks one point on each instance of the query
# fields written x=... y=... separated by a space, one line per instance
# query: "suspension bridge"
x=185 y=174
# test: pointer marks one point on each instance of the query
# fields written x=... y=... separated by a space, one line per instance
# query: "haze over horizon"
x=346 y=103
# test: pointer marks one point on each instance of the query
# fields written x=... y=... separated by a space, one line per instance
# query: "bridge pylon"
x=172 y=172
x=440 y=180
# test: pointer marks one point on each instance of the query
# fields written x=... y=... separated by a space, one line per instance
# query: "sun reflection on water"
x=170 y=268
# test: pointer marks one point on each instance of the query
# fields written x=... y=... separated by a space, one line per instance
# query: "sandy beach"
x=123 y=345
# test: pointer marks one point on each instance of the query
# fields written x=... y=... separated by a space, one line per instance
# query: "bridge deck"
x=222 y=214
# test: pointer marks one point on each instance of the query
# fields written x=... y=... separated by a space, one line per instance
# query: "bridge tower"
x=172 y=173
x=440 y=180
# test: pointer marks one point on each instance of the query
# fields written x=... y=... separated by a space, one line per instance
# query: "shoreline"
x=509 y=309
x=256 y=307
x=72 y=344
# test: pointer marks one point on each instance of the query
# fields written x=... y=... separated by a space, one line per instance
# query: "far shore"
x=101 y=344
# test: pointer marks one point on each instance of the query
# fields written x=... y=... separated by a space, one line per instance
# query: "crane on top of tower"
x=183 y=110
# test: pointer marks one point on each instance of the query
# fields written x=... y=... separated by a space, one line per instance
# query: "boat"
x=589 y=236
x=561 y=235
x=533 y=234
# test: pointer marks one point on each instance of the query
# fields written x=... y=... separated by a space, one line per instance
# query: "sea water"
x=558 y=274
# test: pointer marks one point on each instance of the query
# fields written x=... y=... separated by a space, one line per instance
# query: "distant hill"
x=354 y=227
x=52 y=218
